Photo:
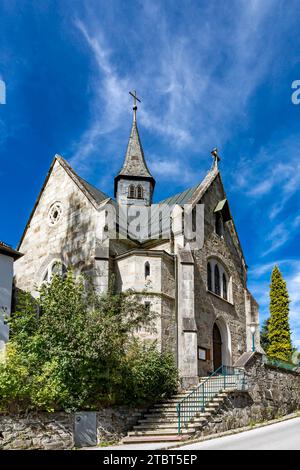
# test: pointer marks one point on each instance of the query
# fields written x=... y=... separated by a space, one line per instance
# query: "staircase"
x=187 y=412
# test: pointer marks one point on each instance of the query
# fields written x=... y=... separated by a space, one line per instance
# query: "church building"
x=205 y=313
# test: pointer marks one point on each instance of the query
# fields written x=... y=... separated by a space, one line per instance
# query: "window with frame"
x=55 y=268
x=55 y=213
x=139 y=192
x=209 y=277
x=217 y=280
x=131 y=191
x=225 y=287
x=147 y=269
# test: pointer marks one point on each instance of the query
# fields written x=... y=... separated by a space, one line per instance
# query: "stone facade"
x=71 y=240
x=231 y=314
x=70 y=224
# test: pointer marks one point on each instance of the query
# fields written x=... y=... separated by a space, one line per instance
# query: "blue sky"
x=210 y=73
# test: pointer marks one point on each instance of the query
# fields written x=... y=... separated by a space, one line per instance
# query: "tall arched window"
x=139 y=192
x=131 y=191
x=224 y=286
x=147 y=269
x=217 y=280
x=219 y=224
x=209 y=279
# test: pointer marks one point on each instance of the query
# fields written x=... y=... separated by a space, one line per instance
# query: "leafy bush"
x=70 y=349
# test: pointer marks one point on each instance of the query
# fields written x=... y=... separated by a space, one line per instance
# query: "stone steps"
x=169 y=408
x=160 y=423
x=149 y=439
x=172 y=415
x=161 y=432
x=162 y=426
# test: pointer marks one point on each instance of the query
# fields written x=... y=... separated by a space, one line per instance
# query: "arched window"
x=131 y=191
x=224 y=286
x=217 y=280
x=55 y=268
x=139 y=192
x=219 y=224
x=209 y=279
x=147 y=269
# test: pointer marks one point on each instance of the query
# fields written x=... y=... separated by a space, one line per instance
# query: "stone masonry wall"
x=210 y=307
x=49 y=431
x=272 y=393
x=36 y=431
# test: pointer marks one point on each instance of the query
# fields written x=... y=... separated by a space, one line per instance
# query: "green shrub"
x=73 y=350
x=149 y=373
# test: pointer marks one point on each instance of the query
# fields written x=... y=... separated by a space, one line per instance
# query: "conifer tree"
x=264 y=335
x=279 y=334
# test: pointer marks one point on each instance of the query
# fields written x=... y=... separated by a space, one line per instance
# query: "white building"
x=7 y=257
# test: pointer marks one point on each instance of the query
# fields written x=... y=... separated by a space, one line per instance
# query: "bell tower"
x=134 y=183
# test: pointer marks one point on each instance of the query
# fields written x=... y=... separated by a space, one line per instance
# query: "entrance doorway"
x=217 y=347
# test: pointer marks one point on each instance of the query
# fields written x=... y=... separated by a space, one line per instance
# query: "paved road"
x=279 y=436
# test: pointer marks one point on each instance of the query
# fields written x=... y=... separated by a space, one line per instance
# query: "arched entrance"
x=221 y=340
x=217 y=347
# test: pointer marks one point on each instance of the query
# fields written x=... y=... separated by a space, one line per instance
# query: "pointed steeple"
x=135 y=167
x=134 y=163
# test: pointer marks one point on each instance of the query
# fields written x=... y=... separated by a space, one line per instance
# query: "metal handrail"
x=196 y=401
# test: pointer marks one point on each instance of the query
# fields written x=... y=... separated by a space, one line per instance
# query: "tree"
x=264 y=335
x=71 y=349
x=279 y=335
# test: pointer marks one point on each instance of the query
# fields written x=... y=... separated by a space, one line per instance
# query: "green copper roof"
x=180 y=198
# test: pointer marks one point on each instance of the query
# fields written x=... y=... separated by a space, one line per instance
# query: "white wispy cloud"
x=172 y=169
x=186 y=104
x=275 y=167
x=110 y=98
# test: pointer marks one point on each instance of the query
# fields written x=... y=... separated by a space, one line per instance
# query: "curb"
x=231 y=432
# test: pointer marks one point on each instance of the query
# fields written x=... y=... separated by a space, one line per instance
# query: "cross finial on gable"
x=135 y=99
x=215 y=156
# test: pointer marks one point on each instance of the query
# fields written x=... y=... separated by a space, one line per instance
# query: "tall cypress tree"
x=279 y=334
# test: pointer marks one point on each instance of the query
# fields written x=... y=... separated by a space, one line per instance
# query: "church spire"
x=135 y=167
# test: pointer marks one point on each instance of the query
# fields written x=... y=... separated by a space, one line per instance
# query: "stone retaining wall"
x=272 y=392
x=56 y=430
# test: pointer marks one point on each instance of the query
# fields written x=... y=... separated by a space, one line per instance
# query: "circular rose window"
x=55 y=213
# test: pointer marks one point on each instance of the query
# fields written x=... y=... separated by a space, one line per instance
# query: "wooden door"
x=217 y=347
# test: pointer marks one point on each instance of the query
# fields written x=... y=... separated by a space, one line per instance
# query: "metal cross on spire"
x=135 y=99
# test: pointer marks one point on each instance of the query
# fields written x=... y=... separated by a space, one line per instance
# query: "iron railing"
x=225 y=377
